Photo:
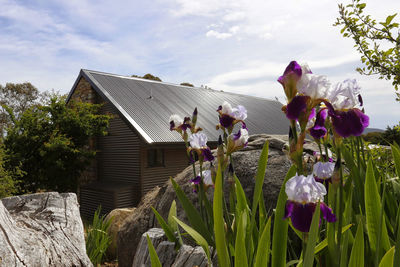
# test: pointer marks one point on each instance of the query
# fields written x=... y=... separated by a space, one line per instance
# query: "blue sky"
x=232 y=45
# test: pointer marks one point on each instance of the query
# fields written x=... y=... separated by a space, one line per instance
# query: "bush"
x=50 y=143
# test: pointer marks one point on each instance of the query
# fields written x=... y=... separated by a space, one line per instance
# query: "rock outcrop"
x=43 y=229
x=245 y=162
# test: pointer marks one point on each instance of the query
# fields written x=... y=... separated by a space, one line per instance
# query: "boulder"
x=245 y=164
x=168 y=256
x=43 y=229
x=117 y=217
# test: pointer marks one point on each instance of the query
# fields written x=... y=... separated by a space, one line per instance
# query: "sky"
x=239 y=46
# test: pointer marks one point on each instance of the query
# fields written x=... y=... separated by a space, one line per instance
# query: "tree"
x=18 y=97
x=49 y=143
x=391 y=135
x=148 y=76
x=187 y=84
x=377 y=42
x=9 y=179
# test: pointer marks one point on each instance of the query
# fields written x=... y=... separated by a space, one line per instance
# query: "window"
x=155 y=157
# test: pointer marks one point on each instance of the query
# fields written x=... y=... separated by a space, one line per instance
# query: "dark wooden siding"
x=118 y=157
x=175 y=160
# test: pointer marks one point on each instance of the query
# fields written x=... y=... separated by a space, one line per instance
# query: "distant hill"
x=372 y=130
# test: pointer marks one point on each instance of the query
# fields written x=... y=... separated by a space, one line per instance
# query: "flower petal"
x=302 y=216
x=226 y=120
x=296 y=107
x=207 y=154
x=288 y=209
x=351 y=122
x=327 y=213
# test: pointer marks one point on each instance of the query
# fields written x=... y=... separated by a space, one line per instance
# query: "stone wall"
x=84 y=92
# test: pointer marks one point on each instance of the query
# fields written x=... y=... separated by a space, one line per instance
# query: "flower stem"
x=340 y=221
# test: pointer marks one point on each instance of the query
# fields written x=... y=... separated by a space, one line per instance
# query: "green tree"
x=391 y=135
x=49 y=143
x=18 y=97
x=9 y=179
x=187 y=84
x=377 y=42
x=148 y=76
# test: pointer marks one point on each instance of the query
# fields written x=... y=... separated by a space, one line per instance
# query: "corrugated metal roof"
x=147 y=105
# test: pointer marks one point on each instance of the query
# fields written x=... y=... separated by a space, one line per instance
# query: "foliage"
x=97 y=238
x=50 y=143
x=377 y=42
x=17 y=97
x=373 y=137
x=391 y=135
x=187 y=84
x=9 y=180
x=148 y=76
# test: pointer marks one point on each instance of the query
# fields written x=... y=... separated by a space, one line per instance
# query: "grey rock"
x=197 y=257
x=142 y=257
x=166 y=253
x=43 y=229
x=183 y=255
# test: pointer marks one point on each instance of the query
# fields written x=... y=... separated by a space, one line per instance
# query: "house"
x=140 y=152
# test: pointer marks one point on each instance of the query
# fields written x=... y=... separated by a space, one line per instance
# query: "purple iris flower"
x=237 y=140
x=323 y=172
x=318 y=130
x=296 y=107
x=350 y=122
x=179 y=124
x=344 y=106
x=207 y=179
x=292 y=71
x=303 y=194
x=228 y=115
x=198 y=142
x=292 y=77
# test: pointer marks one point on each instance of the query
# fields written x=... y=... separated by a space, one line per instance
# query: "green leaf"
x=200 y=240
x=324 y=243
x=172 y=213
x=357 y=252
x=396 y=158
x=397 y=249
x=242 y=202
x=193 y=215
x=262 y=165
x=312 y=238
x=387 y=259
x=264 y=246
x=240 y=243
x=219 y=223
x=390 y=18
x=155 y=261
x=169 y=233
x=279 y=237
x=372 y=209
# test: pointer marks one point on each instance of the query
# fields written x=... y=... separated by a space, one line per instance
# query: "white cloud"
x=180 y=40
x=218 y=35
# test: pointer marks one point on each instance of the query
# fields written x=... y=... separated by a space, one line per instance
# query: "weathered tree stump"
x=42 y=229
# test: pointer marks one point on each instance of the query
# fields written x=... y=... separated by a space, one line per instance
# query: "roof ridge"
x=173 y=84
